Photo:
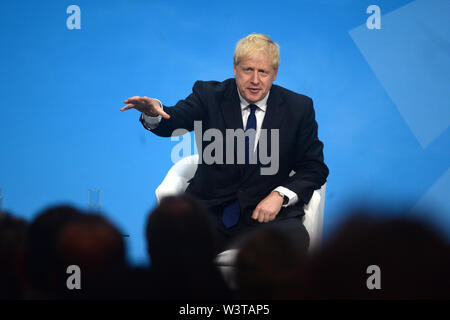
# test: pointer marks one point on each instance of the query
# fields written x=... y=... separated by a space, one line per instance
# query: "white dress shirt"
x=152 y=122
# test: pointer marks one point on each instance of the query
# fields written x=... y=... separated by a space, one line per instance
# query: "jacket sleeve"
x=182 y=115
x=310 y=170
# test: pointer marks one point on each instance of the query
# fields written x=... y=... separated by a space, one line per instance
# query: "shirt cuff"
x=291 y=195
x=152 y=122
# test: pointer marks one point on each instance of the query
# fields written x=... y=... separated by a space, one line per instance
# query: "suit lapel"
x=231 y=108
x=272 y=120
x=232 y=114
x=275 y=110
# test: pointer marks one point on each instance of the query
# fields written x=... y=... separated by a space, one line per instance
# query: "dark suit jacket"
x=217 y=105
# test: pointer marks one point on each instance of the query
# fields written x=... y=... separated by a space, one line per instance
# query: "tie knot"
x=252 y=107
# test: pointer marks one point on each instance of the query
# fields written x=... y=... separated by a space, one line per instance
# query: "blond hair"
x=257 y=42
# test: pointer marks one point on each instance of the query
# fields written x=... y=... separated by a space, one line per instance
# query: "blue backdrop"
x=381 y=97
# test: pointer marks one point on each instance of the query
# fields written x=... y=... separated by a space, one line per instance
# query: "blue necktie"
x=231 y=213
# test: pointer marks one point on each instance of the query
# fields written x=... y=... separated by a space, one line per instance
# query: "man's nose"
x=255 y=77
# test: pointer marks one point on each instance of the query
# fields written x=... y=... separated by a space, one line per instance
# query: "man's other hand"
x=268 y=208
x=149 y=106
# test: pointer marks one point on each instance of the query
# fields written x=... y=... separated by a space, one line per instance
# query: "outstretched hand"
x=149 y=106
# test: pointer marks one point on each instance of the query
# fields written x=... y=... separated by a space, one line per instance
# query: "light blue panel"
x=435 y=203
x=411 y=57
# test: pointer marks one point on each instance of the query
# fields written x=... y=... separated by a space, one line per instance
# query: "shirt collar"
x=262 y=104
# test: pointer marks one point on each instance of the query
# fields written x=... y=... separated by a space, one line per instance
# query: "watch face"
x=285 y=199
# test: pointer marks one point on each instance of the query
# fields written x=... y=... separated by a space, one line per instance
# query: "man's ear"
x=234 y=69
x=275 y=74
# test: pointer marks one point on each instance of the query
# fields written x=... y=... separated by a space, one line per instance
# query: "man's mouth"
x=254 y=90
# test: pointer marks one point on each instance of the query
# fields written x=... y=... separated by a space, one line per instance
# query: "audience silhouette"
x=97 y=247
x=266 y=265
x=368 y=257
x=41 y=255
x=182 y=245
x=411 y=258
x=13 y=233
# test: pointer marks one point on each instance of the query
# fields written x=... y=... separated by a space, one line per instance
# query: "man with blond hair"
x=238 y=194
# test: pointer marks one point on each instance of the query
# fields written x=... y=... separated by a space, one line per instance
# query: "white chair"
x=176 y=182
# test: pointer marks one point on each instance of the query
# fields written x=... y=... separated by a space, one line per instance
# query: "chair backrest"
x=313 y=218
x=176 y=182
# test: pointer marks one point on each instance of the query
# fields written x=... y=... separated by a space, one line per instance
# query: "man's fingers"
x=128 y=106
x=145 y=104
x=135 y=100
x=270 y=217
x=130 y=98
x=255 y=213
x=261 y=217
x=163 y=114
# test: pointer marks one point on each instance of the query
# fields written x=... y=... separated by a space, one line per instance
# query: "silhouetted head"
x=182 y=246
x=411 y=259
x=96 y=246
x=92 y=243
x=179 y=234
x=12 y=241
x=41 y=258
x=267 y=264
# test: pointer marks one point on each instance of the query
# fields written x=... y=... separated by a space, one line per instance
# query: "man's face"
x=254 y=76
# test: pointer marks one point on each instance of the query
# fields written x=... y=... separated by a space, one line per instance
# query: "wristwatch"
x=285 y=198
